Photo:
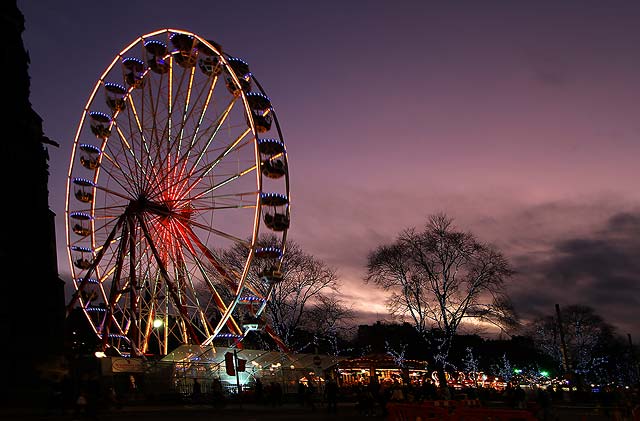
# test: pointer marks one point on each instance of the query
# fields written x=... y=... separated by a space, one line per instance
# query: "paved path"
x=205 y=412
x=248 y=412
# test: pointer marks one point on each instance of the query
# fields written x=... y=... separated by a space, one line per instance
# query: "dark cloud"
x=364 y=317
x=600 y=268
x=570 y=251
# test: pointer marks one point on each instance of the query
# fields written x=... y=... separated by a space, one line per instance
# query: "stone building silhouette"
x=31 y=292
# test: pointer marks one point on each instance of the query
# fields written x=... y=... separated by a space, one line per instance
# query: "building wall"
x=31 y=293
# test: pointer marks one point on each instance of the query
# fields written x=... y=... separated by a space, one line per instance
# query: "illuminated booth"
x=386 y=368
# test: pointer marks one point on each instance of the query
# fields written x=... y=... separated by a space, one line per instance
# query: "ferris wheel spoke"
x=171 y=286
x=167 y=128
x=225 y=201
x=186 y=155
x=174 y=145
x=219 y=302
x=96 y=262
x=172 y=101
x=197 y=176
x=152 y=304
x=159 y=145
x=239 y=195
x=154 y=110
x=107 y=221
x=116 y=176
x=123 y=142
x=224 y=182
x=229 y=281
x=140 y=171
x=185 y=116
x=227 y=274
x=112 y=192
x=99 y=228
x=269 y=330
x=115 y=292
x=107 y=218
x=110 y=208
x=215 y=129
x=102 y=278
x=106 y=245
x=156 y=303
x=209 y=208
x=134 y=329
x=205 y=107
x=141 y=121
x=131 y=109
x=130 y=118
x=149 y=276
x=232 y=325
x=223 y=206
x=187 y=278
x=151 y=118
x=166 y=131
x=178 y=276
x=227 y=196
x=123 y=177
x=221 y=233
x=186 y=107
x=220 y=157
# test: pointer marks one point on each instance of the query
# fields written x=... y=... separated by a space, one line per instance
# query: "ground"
x=204 y=412
x=346 y=411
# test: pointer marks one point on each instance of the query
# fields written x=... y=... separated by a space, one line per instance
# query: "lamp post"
x=157 y=324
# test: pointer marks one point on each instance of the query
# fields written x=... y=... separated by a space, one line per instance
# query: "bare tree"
x=329 y=320
x=440 y=276
x=305 y=299
x=328 y=314
x=586 y=335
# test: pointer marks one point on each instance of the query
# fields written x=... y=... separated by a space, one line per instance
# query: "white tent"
x=207 y=363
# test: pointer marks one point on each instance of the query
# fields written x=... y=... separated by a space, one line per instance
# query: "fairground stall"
x=387 y=370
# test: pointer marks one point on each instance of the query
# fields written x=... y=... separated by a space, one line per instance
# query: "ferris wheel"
x=178 y=157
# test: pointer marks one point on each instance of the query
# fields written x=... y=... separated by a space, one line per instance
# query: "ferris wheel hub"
x=142 y=205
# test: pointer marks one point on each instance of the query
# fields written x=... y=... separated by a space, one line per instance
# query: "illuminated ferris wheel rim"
x=139 y=204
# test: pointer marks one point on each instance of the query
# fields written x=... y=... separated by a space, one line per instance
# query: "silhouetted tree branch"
x=440 y=276
x=305 y=299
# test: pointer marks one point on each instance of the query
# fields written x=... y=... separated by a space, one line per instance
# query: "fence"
x=470 y=411
x=453 y=411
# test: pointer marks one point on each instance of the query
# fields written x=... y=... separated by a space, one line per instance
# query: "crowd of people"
x=543 y=401
x=372 y=399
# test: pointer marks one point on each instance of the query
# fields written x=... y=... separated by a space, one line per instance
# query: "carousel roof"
x=380 y=361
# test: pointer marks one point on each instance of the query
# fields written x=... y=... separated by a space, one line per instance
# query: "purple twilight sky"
x=519 y=119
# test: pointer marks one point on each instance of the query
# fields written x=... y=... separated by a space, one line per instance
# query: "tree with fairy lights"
x=304 y=309
x=441 y=276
